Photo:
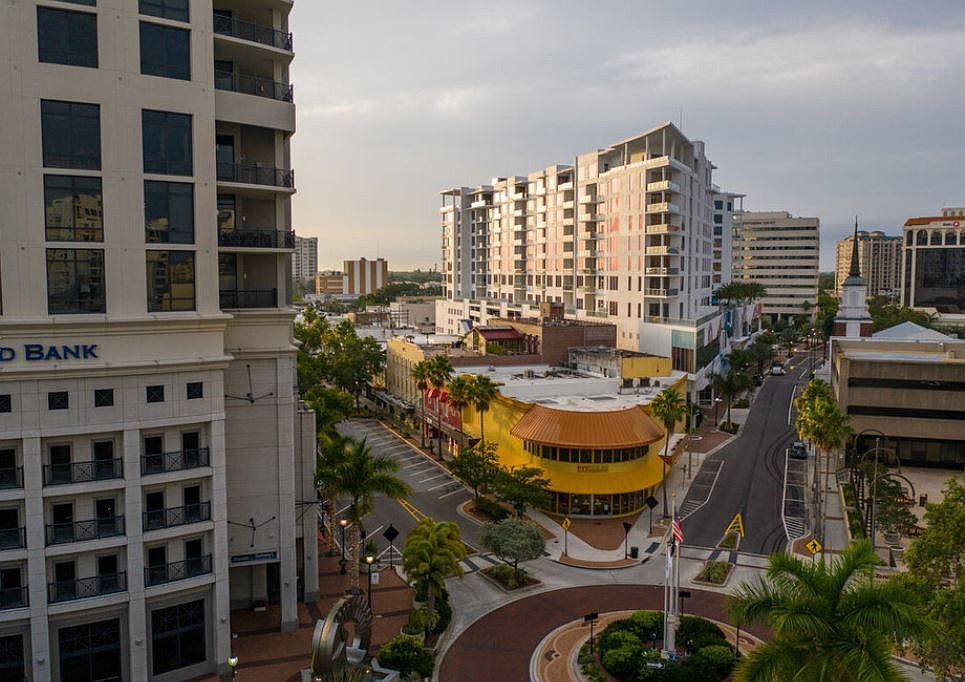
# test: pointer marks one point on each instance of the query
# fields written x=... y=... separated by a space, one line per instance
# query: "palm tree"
x=432 y=552
x=460 y=396
x=831 y=431
x=484 y=392
x=830 y=621
x=330 y=456
x=362 y=477
x=420 y=373
x=440 y=372
x=669 y=407
x=730 y=384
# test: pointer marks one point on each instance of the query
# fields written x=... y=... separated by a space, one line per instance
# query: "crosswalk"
x=701 y=488
x=476 y=562
x=794 y=509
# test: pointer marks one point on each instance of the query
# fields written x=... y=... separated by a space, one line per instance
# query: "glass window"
x=166 y=142
x=170 y=281
x=66 y=37
x=12 y=658
x=177 y=635
x=74 y=208
x=195 y=390
x=155 y=394
x=71 y=134
x=5 y=404
x=75 y=281
x=58 y=400
x=91 y=651
x=169 y=9
x=103 y=397
x=719 y=205
x=718 y=219
x=168 y=212
x=165 y=51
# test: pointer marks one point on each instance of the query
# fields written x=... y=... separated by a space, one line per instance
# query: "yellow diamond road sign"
x=813 y=547
x=566 y=523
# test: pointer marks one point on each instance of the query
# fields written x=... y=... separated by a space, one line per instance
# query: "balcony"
x=661 y=293
x=663 y=228
x=249 y=298
x=253 y=85
x=83 y=472
x=82 y=531
x=663 y=207
x=663 y=186
x=254 y=174
x=177 y=570
x=172 y=517
x=11 y=477
x=83 y=588
x=663 y=251
x=481 y=203
x=252 y=32
x=663 y=271
x=14 y=598
x=182 y=460
x=13 y=538
x=257 y=239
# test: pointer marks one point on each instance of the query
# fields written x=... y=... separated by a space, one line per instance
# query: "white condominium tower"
x=624 y=234
x=152 y=452
x=305 y=259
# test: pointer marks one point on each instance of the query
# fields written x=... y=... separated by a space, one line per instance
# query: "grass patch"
x=729 y=427
x=715 y=572
x=507 y=578
x=729 y=541
x=589 y=665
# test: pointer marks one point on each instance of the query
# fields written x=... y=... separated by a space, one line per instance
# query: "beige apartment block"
x=779 y=251
x=364 y=276
x=879 y=257
x=933 y=270
x=305 y=259
x=152 y=448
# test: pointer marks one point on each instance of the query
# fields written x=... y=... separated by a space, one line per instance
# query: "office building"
x=623 y=235
x=305 y=259
x=727 y=206
x=879 y=260
x=152 y=450
x=933 y=270
x=779 y=251
x=329 y=283
x=365 y=276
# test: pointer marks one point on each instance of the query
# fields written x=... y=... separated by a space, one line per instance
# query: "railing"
x=163 y=462
x=663 y=271
x=251 y=174
x=11 y=477
x=82 y=472
x=661 y=292
x=13 y=538
x=255 y=33
x=177 y=570
x=176 y=516
x=257 y=239
x=250 y=298
x=82 y=588
x=81 y=531
x=253 y=85
x=14 y=598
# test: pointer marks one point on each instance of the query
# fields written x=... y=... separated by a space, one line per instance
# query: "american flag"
x=678 y=530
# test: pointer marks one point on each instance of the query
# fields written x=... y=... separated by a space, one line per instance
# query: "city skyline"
x=805 y=111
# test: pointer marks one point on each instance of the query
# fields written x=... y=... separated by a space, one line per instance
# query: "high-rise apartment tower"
x=305 y=259
x=879 y=258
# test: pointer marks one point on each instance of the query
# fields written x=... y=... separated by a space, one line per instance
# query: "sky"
x=827 y=109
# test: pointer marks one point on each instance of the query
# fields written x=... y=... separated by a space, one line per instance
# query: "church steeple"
x=853 y=318
x=854 y=273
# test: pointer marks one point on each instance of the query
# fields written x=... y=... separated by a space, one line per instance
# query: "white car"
x=778 y=371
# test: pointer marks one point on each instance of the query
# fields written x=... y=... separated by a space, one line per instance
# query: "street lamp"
x=370 y=560
x=343 y=523
x=626 y=536
x=717 y=402
x=233 y=664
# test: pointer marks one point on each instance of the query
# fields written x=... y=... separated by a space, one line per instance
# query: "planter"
x=710 y=573
x=891 y=537
x=420 y=635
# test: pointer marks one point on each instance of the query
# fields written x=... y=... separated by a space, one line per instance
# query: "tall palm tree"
x=440 y=372
x=830 y=621
x=330 y=456
x=730 y=384
x=460 y=396
x=432 y=552
x=669 y=407
x=360 y=479
x=484 y=392
x=831 y=433
x=421 y=375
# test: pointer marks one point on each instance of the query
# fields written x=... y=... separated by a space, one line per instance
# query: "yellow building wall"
x=401 y=355
x=645 y=367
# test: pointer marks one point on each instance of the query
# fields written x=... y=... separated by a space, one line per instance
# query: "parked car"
x=798 y=450
x=757 y=380
x=778 y=370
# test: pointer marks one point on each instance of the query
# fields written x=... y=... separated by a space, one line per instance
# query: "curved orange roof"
x=616 y=429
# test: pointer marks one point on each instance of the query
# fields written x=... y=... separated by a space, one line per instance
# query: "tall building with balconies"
x=152 y=450
x=625 y=233
x=305 y=259
x=727 y=206
x=879 y=259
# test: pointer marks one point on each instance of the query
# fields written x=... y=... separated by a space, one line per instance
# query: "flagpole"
x=671 y=598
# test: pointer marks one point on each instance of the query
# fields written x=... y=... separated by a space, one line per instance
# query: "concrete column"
x=36 y=563
x=220 y=559
x=286 y=495
x=137 y=616
x=309 y=519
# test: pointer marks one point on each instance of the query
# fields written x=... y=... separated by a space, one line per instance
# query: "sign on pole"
x=814 y=546
x=566 y=523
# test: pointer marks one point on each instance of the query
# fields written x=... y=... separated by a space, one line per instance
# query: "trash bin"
x=923 y=500
x=634 y=552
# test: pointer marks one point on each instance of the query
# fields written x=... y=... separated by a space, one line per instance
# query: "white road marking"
x=417 y=464
x=432 y=478
x=791 y=404
x=441 y=485
x=454 y=492
x=709 y=493
x=374 y=532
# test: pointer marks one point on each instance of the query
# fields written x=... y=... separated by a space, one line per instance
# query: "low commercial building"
x=329 y=283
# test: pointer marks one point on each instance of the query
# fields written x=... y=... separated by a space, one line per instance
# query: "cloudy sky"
x=825 y=109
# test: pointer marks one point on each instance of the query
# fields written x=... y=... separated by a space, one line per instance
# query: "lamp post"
x=343 y=523
x=717 y=402
x=233 y=665
x=626 y=536
x=370 y=560
x=812 y=337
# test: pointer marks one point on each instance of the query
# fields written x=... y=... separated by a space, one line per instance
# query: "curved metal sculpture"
x=331 y=649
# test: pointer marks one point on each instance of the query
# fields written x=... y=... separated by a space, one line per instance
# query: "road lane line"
x=374 y=532
x=454 y=492
x=413 y=512
x=432 y=478
x=441 y=485
x=791 y=404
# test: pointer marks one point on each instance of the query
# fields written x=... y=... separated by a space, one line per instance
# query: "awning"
x=627 y=428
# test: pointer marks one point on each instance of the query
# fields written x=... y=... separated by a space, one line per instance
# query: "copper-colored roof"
x=934 y=219
x=499 y=334
x=617 y=429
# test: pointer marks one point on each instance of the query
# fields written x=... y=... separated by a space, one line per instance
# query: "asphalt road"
x=435 y=492
x=747 y=475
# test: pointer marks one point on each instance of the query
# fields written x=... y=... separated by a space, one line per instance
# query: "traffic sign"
x=390 y=533
x=566 y=523
x=814 y=546
x=736 y=525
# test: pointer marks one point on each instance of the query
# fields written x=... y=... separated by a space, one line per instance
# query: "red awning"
x=508 y=334
x=443 y=397
x=432 y=392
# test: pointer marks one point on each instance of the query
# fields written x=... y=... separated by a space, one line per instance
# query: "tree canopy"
x=523 y=487
x=512 y=541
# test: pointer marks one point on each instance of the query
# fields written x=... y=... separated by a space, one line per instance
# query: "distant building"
x=329 y=283
x=779 y=251
x=305 y=259
x=727 y=205
x=364 y=276
x=879 y=260
x=933 y=271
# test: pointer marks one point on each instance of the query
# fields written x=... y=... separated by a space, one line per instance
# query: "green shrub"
x=697 y=633
x=493 y=510
x=718 y=658
x=588 y=664
x=417 y=622
x=729 y=427
x=444 y=611
x=616 y=639
x=742 y=404
x=647 y=623
x=715 y=572
x=506 y=576
x=406 y=655
x=623 y=662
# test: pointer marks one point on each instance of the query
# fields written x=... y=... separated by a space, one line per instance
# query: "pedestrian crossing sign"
x=814 y=546
x=566 y=523
x=736 y=525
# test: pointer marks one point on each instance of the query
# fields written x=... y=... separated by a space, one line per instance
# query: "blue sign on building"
x=33 y=352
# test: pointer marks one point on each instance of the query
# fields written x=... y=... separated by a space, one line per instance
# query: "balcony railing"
x=252 y=174
x=255 y=33
x=257 y=239
x=11 y=477
x=177 y=570
x=253 y=85
x=661 y=293
x=163 y=462
x=82 y=472
x=176 y=516
x=81 y=531
x=13 y=538
x=13 y=598
x=250 y=298
x=82 y=588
